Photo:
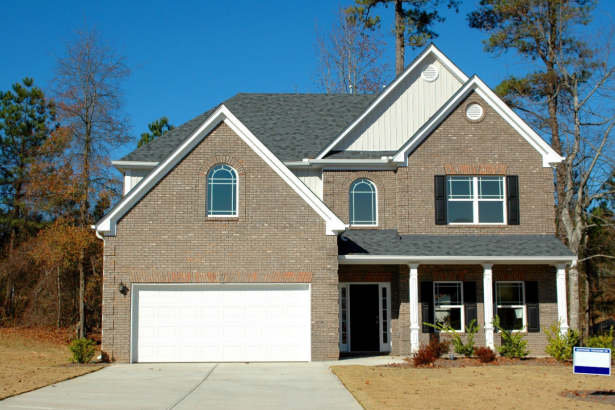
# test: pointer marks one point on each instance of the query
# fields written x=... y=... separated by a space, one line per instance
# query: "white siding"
x=402 y=112
x=132 y=177
x=312 y=178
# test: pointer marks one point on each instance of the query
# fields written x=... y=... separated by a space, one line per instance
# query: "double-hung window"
x=222 y=191
x=448 y=304
x=475 y=200
x=510 y=305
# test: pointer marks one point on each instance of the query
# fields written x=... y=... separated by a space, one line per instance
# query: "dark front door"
x=364 y=318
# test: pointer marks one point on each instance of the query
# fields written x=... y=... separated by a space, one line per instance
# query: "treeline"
x=56 y=181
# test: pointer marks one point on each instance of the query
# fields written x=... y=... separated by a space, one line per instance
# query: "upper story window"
x=510 y=305
x=448 y=304
x=363 y=206
x=222 y=191
x=475 y=200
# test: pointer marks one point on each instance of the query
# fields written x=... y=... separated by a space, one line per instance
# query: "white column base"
x=414 y=339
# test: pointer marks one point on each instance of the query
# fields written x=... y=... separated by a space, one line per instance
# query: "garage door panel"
x=222 y=323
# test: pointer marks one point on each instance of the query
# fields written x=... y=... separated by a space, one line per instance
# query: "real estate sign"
x=587 y=360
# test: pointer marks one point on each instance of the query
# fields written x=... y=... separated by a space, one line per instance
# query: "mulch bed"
x=500 y=361
x=592 y=396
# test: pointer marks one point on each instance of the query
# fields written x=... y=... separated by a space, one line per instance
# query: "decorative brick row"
x=447 y=275
x=475 y=169
x=513 y=274
x=211 y=277
x=366 y=276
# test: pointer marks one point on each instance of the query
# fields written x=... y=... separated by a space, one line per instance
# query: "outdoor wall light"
x=123 y=289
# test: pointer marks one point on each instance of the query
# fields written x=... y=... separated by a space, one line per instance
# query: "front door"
x=364 y=318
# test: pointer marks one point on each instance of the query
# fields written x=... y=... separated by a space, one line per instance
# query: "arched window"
x=363 y=203
x=222 y=191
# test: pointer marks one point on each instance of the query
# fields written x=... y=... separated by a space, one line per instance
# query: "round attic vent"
x=430 y=73
x=474 y=111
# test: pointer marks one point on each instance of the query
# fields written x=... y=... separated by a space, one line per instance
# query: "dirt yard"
x=476 y=388
x=33 y=358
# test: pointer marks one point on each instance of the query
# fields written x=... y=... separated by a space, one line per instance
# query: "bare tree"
x=87 y=87
x=349 y=58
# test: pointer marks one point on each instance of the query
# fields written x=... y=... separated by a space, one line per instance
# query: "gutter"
x=383 y=162
x=122 y=165
x=444 y=260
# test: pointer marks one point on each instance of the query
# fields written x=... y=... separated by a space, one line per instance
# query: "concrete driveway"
x=195 y=386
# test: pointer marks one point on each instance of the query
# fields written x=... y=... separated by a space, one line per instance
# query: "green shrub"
x=466 y=349
x=560 y=345
x=83 y=350
x=513 y=346
x=484 y=354
x=604 y=341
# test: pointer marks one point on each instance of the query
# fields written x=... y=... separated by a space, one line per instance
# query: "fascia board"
x=403 y=259
x=431 y=50
x=122 y=165
x=549 y=156
x=108 y=224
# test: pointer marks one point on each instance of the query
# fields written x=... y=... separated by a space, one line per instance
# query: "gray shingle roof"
x=389 y=242
x=292 y=126
x=358 y=154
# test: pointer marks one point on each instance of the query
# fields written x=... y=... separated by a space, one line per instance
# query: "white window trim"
x=523 y=306
x=461 y=306
x=475 y=200
x=384 y=347
x=236 y=214
x=350 y=199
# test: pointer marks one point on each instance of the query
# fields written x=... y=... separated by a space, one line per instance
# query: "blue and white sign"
x=587 y=360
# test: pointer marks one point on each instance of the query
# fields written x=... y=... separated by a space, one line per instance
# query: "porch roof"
x=388 y=244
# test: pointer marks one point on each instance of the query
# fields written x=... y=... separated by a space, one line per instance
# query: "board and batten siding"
x=312 y=178
x=132 y=177
x=402 y=112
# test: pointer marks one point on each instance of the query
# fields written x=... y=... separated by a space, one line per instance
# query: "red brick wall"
x=166 y=237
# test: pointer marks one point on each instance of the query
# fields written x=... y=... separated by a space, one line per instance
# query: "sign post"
x=587 y=360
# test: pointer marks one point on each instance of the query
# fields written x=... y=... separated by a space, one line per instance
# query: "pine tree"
x=156 y=128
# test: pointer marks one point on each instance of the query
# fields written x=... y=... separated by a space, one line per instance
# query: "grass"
x=476 y=388
x=34 y=358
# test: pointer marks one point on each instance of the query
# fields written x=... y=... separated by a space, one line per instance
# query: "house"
x=291 y=227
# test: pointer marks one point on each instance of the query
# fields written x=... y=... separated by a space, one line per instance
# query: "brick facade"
x=277 y=237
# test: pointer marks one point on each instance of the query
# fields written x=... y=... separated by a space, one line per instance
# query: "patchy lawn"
x=484 y=387
x=34 y=358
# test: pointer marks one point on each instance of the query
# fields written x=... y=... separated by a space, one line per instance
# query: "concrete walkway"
x=197 y=386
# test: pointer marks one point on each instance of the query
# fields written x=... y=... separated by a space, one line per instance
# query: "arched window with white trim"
x=222 y=191
x=363 y=203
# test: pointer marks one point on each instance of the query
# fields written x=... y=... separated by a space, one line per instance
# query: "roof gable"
x=108 y=224
x=549 y=156
x=405 y=105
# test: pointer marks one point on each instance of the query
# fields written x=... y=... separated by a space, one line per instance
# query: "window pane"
x=511 y=318
x=449 y=316
x=509 y=293
x=491 y=212
x=460 y=212
x=460 y=187
x=490 y=188
x=222 y=191
x=363 y=203
x=447 y=294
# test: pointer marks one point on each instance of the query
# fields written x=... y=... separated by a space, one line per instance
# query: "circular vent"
x=430 y=73
x=474 y=111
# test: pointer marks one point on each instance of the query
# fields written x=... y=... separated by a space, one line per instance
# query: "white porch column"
x=562 y=306
x=488 y=303
x=414 y=307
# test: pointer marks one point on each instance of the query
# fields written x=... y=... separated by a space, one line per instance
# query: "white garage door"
x=221 y=323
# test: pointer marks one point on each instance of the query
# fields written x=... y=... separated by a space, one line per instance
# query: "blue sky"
x=191 y=55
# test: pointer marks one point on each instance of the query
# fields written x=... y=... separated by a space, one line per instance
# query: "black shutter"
x=469 y=300
x=440 y=195
x=533 y=309
x=495 y=303
x=427 y=305
x=512 y=196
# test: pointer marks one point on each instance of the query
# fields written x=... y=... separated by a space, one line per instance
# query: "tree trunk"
x=59 y=299
x=573 y=296
x=81 y=297
x=400 y=29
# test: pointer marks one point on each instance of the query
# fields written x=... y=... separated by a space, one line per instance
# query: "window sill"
x=477 y=225
x=363 y=227
x=221 y=218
